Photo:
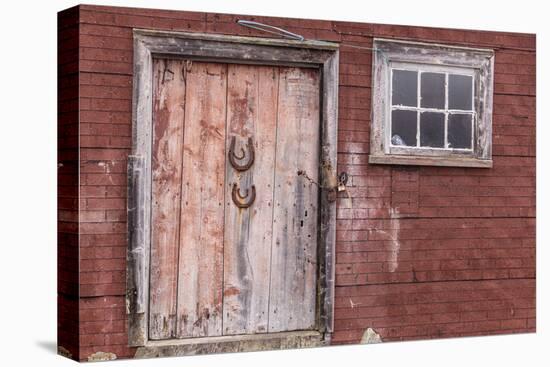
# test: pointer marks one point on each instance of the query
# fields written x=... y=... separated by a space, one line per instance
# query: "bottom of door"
x=232 y=343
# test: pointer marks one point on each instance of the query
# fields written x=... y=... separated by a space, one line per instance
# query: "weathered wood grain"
x=252 y=112
x=292 y=304
x=168 y=124
x=327 y=226
x=137 y=259
x=202 y=211
x=240 y=49
x=479 y=61
x=232 y=343
x=139 y=193
x=230 y=49
x=431 y=161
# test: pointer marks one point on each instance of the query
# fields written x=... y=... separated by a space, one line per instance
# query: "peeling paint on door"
x=234 y=244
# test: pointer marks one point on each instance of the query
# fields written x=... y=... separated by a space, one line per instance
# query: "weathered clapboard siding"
x=199 y=304
x=168 y=124
x=294 y=262
x=68 y=222
x=252 y=113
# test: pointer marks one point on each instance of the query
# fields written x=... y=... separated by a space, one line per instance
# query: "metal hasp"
x=238 y=199
x=232 y=156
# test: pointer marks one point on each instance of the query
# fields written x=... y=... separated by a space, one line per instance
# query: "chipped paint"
x=353 y=304
x=101 y=356
x=394 y=235
x=391 y=235
x=107 y=165
x=231 y=291
x=370 y=336
x=62 y=351
x=477 y=62
x=239 y=343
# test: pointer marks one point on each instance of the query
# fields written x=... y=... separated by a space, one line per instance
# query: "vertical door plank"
x=252 y=112
x=200 y=285
x=294 y=258
x=168 y=122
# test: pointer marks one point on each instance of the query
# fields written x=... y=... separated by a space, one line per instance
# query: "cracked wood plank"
x=252 y=112
x=168 y=124
x=199 y=303
x=292 y=304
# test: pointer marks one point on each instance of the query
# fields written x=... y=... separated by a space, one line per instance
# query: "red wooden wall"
x=67 y=195
x=422 y=252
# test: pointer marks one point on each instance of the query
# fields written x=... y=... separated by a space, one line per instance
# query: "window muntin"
x=432 y=107
x=438 y=119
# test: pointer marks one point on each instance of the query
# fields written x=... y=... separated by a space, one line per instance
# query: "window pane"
x=432 y=129
x=460 y=92
x=432 y=90
x=404 y=88
x=403 y=126
x=460 y=131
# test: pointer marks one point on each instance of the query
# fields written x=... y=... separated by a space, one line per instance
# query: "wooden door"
x=219 y=267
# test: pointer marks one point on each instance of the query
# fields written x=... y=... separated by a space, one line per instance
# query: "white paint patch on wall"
x=394 y=235
x=370 y=336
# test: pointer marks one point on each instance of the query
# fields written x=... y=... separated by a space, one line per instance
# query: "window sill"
x=431 y=161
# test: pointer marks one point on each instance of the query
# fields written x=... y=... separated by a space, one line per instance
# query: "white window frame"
x=424 y=57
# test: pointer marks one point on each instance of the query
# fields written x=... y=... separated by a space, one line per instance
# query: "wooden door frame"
x=227 y=49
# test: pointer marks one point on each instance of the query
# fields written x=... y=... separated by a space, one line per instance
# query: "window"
x=431 y=105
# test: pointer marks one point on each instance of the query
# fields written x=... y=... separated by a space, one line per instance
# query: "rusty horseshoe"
x=238 y=199
x=232 y=156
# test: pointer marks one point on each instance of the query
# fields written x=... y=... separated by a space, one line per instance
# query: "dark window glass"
x=403 y=126
x=432 y=129
x=460 y=131
x=460 y=92
x=404 y=88
x=432 y=92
